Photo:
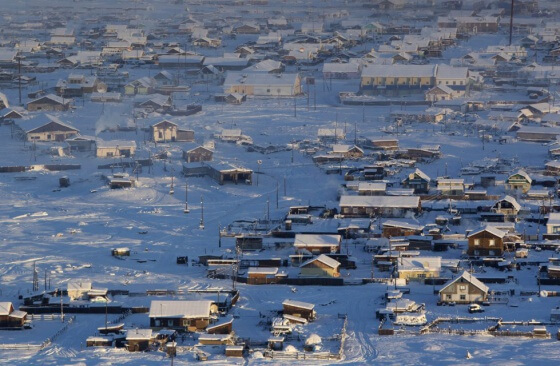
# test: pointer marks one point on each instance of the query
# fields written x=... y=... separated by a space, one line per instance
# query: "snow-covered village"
x=264 y=182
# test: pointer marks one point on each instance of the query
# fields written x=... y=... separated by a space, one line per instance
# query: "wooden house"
x=372 y=188
x=487 y=241
x=519 y=181
x=321 y=266
x=418 y=268
x=385 y=144
x=400 y=228
x=299 y=308
x=46 y=128
x=234 y=351
x=138 y=340
x=465 y=289
x=553 y=223
x=99 y=341
x=397 y=80
x=167 y=131
x=439 y=92
x=317 y=243
x=418 y=180
x=249 y=242
x=538 y=134
x=81 y=143
x=263 y=84
x=507 y=206
x=11 y=318
x=384 y=206
x=49 y=102
x=261 y=275
x=115 y=149
x=347 y=151
x=144 y=85
x=165 y=78
x=451 y=187
x=198 y=154
x=215 y=339
x=181 y=314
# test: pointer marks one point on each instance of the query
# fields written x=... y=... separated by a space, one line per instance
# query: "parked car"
x=475 y=308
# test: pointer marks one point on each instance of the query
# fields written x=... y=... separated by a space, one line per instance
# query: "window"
x=463 y=297
x=462 y=287
x=491 y=242
x=109 y=154
x=185 y=322
x=170 y=323
x=355 y=210
x=158 y=323
x=160 y=134
x=268 y=90
x=454 y=82
x=448 y=297
x=476 y=241
x=48 y=137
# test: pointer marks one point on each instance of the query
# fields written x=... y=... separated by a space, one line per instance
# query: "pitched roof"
x=469 y=278
x=326 y=260
x=492 y=230
x=5 y=308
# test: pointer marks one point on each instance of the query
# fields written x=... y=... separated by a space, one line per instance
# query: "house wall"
x=46 y=107
x=50 y=136
x=197 y=155
x=462 y=293
x=295 y=311
x=417 y=275
x=162 y=134
x=484 y=248
x=113 y=152
x=318 y=269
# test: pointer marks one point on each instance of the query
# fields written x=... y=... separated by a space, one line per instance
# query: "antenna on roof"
x=511 y=22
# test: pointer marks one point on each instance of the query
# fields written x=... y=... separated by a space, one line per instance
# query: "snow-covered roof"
x=402 y=224
x=298 y=304
x=114 y=144
x=327 y=240
x=492 y=230
x=5 y=308
x=138 y=334
x=469 y=278
x=419 y=264
x=417 y=71
x=180 y=309
x=512 y=201
x=380 y=201
x=263 y=270
x=326 y=260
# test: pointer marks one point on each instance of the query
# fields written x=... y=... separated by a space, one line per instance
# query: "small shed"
x=249 y=242
x=120 y=252
x=235 y=351
x=99 y=342
x=138 y=340
x=276 y=343
x=299 y=308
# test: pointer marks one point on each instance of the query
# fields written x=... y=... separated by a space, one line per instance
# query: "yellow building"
x=418 y=268
x=321 y=266
x=397 y=79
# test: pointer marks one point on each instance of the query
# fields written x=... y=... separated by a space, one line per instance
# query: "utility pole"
x=171 y=191
x=276 y=194
x=219 y=236
x=201 y=226
x=19 y=78
x=186 y=210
